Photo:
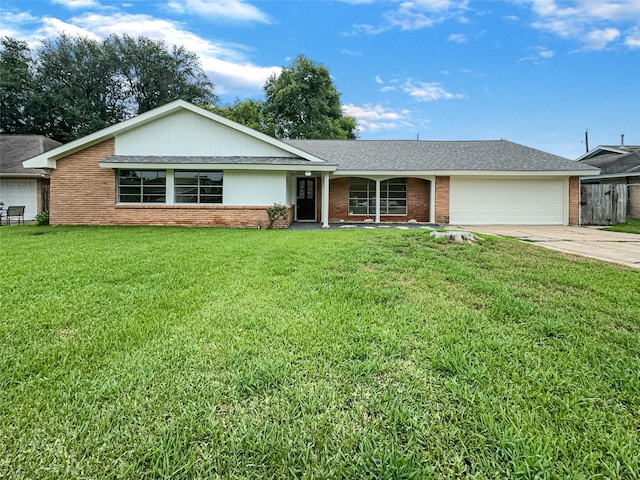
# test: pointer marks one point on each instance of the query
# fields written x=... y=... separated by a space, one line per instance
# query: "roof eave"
x=316 y=167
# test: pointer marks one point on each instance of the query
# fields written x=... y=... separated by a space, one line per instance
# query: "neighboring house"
x=183 y=165
x=618 y=165
x=20 y=185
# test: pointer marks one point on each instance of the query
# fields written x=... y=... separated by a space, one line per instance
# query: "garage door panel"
x=20 y=192
x=509 y=201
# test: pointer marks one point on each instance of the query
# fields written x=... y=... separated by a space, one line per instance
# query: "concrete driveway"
x=623 y=248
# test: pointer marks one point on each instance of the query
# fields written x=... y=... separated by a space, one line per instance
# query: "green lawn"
x=632 y=226
x=219 y=353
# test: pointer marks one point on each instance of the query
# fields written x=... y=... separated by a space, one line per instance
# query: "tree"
x=77 y=89
x=16 y=85
x=152 y=75
x=303 y=102
x=73 y=86
x=249 y=113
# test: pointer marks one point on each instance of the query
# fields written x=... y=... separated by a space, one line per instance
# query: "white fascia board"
x=48 y=159
x=611 y=175
x=216 y=166
x=465 y=173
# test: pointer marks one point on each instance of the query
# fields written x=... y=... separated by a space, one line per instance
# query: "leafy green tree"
x=249 y=113
x=303 y=102
x=76 y=89
x=16 y=85
x=152 y=75
x=72 y=86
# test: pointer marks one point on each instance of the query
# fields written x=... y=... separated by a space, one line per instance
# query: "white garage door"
x=15 y=191
x=508 y=201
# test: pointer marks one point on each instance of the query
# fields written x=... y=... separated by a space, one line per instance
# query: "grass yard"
x=138 y=353
x=632 y=226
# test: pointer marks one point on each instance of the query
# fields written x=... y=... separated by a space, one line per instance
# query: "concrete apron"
x=622 y=248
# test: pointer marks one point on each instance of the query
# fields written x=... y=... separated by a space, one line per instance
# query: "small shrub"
x=42 y=218
x=275 y=212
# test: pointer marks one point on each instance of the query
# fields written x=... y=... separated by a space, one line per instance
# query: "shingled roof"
x=14 y=149
x=414 y=155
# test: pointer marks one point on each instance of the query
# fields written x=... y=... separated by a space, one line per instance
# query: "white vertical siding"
x=188 y=134
x=254 y=188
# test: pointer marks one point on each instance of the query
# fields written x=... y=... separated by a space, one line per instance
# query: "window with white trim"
x=142 y=186
x=362 y=196
x=198 y=186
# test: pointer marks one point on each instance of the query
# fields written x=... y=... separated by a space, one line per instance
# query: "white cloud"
x=52 y=27
x=235 y=10
x=632 y=39
x=226 y=64
x=77 y=4
x=457 y=38
x=596 y=24
x=13 y=24
x=374 y=118
x=379 y=80
x=599 y=39
x=429 y=92
x=539 y=55
x=416 y=15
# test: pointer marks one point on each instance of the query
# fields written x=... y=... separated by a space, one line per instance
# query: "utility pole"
x=586 y=139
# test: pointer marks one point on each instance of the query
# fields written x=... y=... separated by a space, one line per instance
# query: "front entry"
x=306 y=203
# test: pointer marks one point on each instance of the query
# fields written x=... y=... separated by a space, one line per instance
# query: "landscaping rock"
x=456 y=236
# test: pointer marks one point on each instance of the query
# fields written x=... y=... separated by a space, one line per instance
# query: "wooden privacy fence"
x=603 y=204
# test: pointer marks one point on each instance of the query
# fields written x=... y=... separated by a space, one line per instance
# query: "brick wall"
x=418 y=194
x=442 y=199
x=82 y=193
x=574 y=200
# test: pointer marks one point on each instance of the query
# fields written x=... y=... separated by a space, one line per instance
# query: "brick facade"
x=443 y=185
x=82 y=193
x=418 y=194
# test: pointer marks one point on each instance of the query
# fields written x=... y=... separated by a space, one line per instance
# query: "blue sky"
x=533 y=72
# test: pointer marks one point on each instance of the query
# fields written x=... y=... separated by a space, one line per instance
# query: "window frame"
x=180 y=190
x=145 y=189
x=387 y=195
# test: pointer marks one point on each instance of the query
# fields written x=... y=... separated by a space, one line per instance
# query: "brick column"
x=442 y=199
x=574 y=200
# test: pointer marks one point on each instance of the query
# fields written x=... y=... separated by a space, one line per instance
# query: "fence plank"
x=603 y=204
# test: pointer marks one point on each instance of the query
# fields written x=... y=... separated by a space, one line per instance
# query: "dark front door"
x=306 y=204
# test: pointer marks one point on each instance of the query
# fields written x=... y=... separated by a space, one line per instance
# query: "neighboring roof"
x=625 y=163
x=49 y=159
x=601 y=150
x=14 y=149
x=415 y=155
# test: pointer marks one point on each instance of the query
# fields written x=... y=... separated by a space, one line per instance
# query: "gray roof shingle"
x=414 y=155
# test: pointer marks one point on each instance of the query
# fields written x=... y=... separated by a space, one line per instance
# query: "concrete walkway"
x=591 y=242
